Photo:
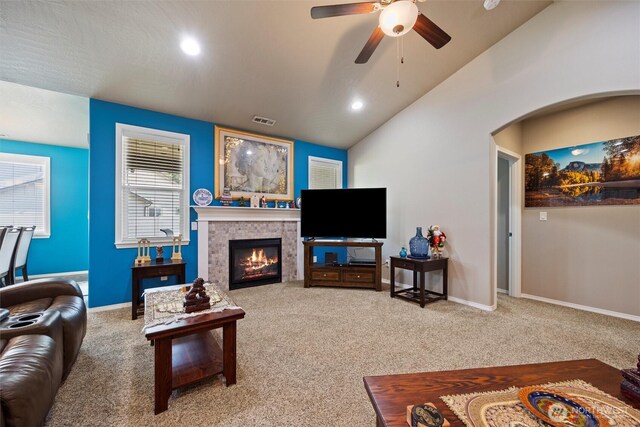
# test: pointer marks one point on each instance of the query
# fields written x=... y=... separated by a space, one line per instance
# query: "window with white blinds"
x=24 y=192
x=152 y=185
x=324 y=173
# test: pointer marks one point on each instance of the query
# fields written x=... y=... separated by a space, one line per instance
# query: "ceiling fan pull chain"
x=402 y=50
x=398 y=61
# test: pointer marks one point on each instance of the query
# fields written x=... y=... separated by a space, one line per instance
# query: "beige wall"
x=510 y=138
x=583 y=255
x=436 y=156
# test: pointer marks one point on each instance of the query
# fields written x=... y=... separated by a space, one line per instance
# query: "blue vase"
x=419 y=245
x=403 y=252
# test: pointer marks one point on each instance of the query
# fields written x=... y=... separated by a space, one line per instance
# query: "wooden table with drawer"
x=149 y=270
x=419 y=266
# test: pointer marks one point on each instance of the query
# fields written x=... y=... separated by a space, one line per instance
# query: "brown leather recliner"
x=44 y=295
x=30 y=368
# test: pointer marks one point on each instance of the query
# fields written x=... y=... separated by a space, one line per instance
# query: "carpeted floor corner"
x=302 y=354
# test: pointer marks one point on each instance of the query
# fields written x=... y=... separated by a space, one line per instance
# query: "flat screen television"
x=352 y=212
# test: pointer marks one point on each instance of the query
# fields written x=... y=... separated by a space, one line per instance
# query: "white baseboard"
x=454 y=299
x=109 y=307
x=502 y=291
x=583 y=307
x=67 y=273
x=473 y=304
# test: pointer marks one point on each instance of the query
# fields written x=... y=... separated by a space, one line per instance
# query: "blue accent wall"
x=67 y=248
x=110 y=268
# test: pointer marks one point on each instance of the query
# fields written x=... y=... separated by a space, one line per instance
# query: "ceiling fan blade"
x=431 y=32
x=370 y=46
x=318 y=12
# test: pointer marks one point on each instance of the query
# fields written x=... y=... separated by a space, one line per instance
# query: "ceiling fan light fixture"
x=398 y=18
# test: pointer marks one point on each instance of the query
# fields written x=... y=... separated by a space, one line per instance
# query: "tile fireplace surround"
x=219 y=224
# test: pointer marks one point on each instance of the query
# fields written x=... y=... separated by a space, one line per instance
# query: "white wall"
x=437 y=158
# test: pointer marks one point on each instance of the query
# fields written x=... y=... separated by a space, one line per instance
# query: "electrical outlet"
x=194 y=226
x=543 y=216
x=164 y=277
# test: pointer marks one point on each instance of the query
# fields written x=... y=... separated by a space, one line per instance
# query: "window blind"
x=152 y=188
x=24 y=182
x=324 y=174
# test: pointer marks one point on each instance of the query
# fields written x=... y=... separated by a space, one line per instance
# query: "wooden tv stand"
x=345 y=275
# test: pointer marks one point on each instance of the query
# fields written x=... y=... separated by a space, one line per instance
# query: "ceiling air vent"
x=263 y=121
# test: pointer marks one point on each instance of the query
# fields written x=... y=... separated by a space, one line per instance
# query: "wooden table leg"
x=135 y=294
x=392 y=280
x=422 y=301
x=229 y=352
x=163 y=374
x=415 y=280
x=445 y=284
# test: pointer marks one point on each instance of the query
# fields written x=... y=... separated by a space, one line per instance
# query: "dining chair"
x=21 y=253
x=7 y=249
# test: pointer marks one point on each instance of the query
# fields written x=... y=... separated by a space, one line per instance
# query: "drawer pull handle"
x=325 y=275
x=358 y=276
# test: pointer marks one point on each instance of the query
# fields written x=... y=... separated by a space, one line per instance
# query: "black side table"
x=421 y=266
x=148 y=270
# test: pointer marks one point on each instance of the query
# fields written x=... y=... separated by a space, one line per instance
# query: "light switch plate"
x=194 y=226
x=543 y=216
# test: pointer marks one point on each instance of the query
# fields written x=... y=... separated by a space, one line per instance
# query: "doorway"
x=508 y=218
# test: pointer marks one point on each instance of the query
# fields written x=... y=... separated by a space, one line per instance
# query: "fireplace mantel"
x=235 y=213
x=227 y=216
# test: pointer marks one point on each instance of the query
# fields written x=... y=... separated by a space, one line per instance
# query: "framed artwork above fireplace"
x=249 y=164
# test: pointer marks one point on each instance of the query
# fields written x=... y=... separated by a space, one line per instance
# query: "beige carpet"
x=302 y=354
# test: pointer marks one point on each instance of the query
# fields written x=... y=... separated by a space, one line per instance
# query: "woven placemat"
x=503 y=408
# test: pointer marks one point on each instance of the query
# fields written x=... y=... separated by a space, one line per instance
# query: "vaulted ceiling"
x=266 y=58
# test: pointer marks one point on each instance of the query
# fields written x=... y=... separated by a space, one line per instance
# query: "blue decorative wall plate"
x=202 y=197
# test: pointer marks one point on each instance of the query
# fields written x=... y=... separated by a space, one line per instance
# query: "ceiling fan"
x=397 y=18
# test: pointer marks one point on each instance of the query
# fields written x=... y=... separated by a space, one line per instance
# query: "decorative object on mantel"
x=425 y=415
x=143 y=251
x=255 y=201
x=242 y=202
x=253 y=164
x=291 y=205
x=299 y=202
x=403 y=252
x=630 y=385
x=419 y=245
x=437 y=239
x=202 y=197
x=196 y=299
x=263 y=202
x=177 y=248
x=159 y=254
x=226 y=199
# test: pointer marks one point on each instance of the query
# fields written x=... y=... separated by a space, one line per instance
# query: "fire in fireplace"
x=254 y=262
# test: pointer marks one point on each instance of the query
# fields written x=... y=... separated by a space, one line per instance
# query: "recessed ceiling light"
x=357 y=105
x=190 y=46
x=491 y=4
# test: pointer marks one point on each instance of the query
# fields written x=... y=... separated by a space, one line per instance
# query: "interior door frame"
x=515 y=221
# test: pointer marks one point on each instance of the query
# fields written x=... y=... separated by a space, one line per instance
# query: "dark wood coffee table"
x=391 y=394
x=186 y=352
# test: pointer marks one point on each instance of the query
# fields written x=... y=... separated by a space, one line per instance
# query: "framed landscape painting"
x=249 y=164
x=601 y=173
